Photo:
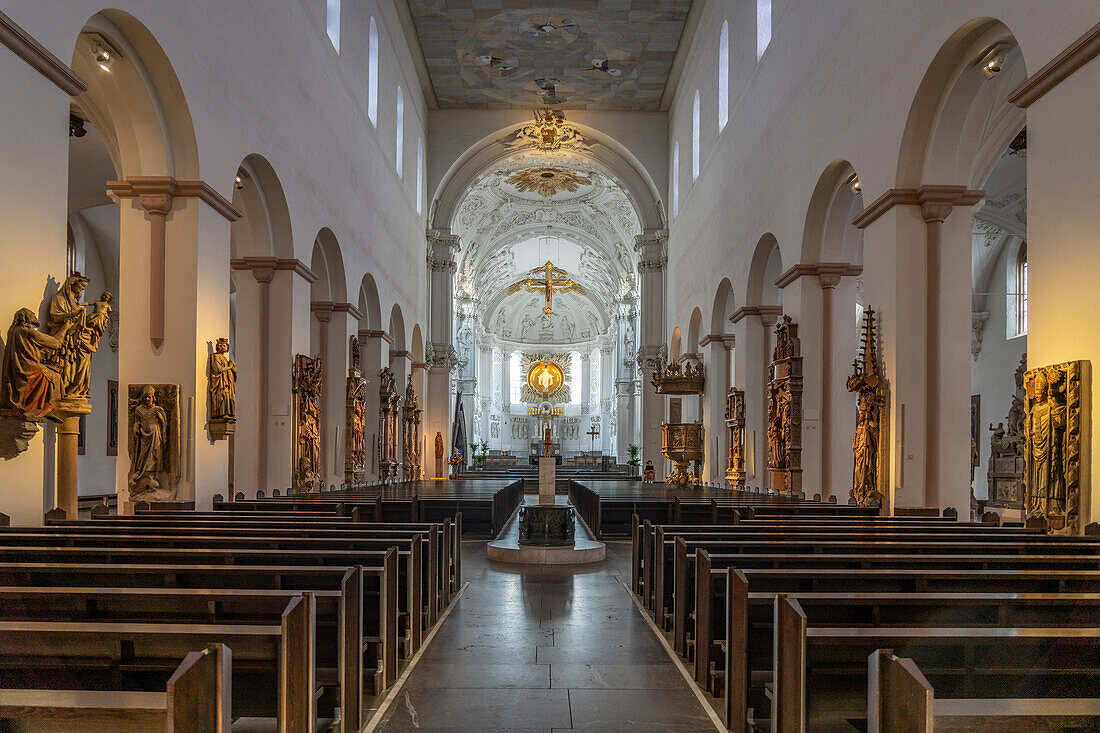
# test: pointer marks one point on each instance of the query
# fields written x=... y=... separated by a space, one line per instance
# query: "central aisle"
x=545 y=648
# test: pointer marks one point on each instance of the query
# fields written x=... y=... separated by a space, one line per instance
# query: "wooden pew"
x=198 y=698
x=901 y=700
x=820 y=674
x=273 y=671
x=738 y=587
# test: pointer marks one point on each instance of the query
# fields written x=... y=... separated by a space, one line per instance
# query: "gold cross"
x=553 y=280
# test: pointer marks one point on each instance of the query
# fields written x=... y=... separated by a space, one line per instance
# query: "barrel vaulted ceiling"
x=593 y=54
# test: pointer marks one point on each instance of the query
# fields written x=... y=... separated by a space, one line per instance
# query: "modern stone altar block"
x=547 y=480
x=546 y=525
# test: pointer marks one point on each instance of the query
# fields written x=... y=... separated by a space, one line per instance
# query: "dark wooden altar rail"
x=436 y=553
x=742 y=584
x=368 y=618
x=588 y=506
x=340 y=618
x=900 y=698
x=198 y=698
x=820 y=677
x=100 y=653
x=505 y=503
x=408 y=568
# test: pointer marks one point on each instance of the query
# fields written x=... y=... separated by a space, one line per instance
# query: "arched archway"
x=329 y=329
x=718 y=348
x=374 y=351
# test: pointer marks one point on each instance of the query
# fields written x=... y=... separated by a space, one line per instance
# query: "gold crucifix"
x=553 y=280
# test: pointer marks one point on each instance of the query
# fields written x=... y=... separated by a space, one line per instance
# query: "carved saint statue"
x=1046 y=425
x=80 y=340
x=223 y=383
x=308 y=381
x=865 y=446
x=148 y=446
x=777 y=422
x=29 y=386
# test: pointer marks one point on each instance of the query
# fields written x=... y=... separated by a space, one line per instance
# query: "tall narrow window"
x=332 y=22
x=695 y=138
x=372 y=74
x=419 y=176
x=1021 y=290
x=515 y=379
x=594 y=367
x=763 y=26
x=575 y=382
x=400 y=132
x=676 y=179
x=723 y=76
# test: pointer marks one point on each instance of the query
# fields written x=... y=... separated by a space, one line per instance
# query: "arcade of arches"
x=695 y=212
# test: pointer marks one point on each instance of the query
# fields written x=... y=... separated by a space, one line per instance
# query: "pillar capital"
x=827 y=273
x=366 y=335
x=936 y=202
x=155 y=194
x=652 y=249
x=726 y=339
x=442 y=248
x=264 y=268
x=321 y=310
x=440 y=357
x=768 y=314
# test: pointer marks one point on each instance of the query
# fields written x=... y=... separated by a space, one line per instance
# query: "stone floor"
x=545 y=648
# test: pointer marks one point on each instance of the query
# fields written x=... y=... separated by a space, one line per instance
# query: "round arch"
x=397 y=328
x=368 y=303
x=723 y=307
x=264 y=229
x=765 y=267
x=695 y=325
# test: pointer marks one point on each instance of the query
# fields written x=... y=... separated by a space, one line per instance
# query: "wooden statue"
x=154 y=444
x=410 y=428
x=31 y=388
x=387 y=425
x=439 y=454
x=735 y=427
x=81 y=338
x=308 y=384
x=869 y=449
x=1053 y=431
x=355 y=416
x=784 y=428
x=223 y=391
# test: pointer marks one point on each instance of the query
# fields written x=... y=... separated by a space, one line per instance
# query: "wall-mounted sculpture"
x=29 y=387
x=355 y=418
x=735 y=433
x=387 y=425
x=223 y=392
x=308 y=384
x=81 y=338
x=410 y=419
x=869 y=446
x=1007 y=470
x=1054 y=429
x=154 y=442
x=785 y=410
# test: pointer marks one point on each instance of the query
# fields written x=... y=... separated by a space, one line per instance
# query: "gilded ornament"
x=355 y=453
x=308 y=383
x=869 y=449
x=784 y=429
x=554 y=279
x=547 y=181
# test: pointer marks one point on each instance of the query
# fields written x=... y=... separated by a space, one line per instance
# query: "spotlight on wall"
x=238 y=182
x=853 y=183
x=992 y=59
x=103 y=53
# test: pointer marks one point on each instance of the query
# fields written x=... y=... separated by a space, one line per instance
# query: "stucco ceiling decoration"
x=547 y=181
x=580 y=55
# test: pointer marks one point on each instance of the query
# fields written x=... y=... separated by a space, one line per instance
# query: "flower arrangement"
x=457 y=459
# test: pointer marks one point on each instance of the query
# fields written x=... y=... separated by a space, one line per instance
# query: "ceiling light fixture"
x=104 y=56
x=853 y=183
x=992 y=59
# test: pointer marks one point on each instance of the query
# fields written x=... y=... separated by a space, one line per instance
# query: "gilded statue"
x=1053 y=432
x=31 y=387
x=868 y=450
x=411 y=416
x=223 y=391
x=355 y=414
x=307 y=387
x=154 y=442
x=784 y=421
x=387 y=425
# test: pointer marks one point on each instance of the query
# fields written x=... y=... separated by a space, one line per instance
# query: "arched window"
x=515 y=379
x=594 y=367
x=419 y=176
x=723 y=76
x=1021 y=290
x=763 y=26
x=332 y=22
x=695 y=138
x=576 y=384
x=676 y=179
x=400 y=132
x=372 y=74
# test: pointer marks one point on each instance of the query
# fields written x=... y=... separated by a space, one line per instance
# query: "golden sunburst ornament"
x=547 y=181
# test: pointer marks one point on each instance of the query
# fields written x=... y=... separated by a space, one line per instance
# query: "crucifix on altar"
x=593 y=433
x=554 y=279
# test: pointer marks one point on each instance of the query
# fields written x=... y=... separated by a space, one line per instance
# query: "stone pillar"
x=913 y=281
x=195 y=268
x=718 y=349
x=374 y=352
x=401 y=366
x=652 y=249
x=440 y=352
x=322 y=314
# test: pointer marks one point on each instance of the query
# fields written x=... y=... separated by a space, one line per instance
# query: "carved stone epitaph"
x=308 y=379
x=355 y=448
x=388 y=402
x=785 y=410
x=411 y=416
x=1007 y=471
x=1054 y=429
x=869 y=446
x=735 y=428
x=223 y=392
x=154 y=441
